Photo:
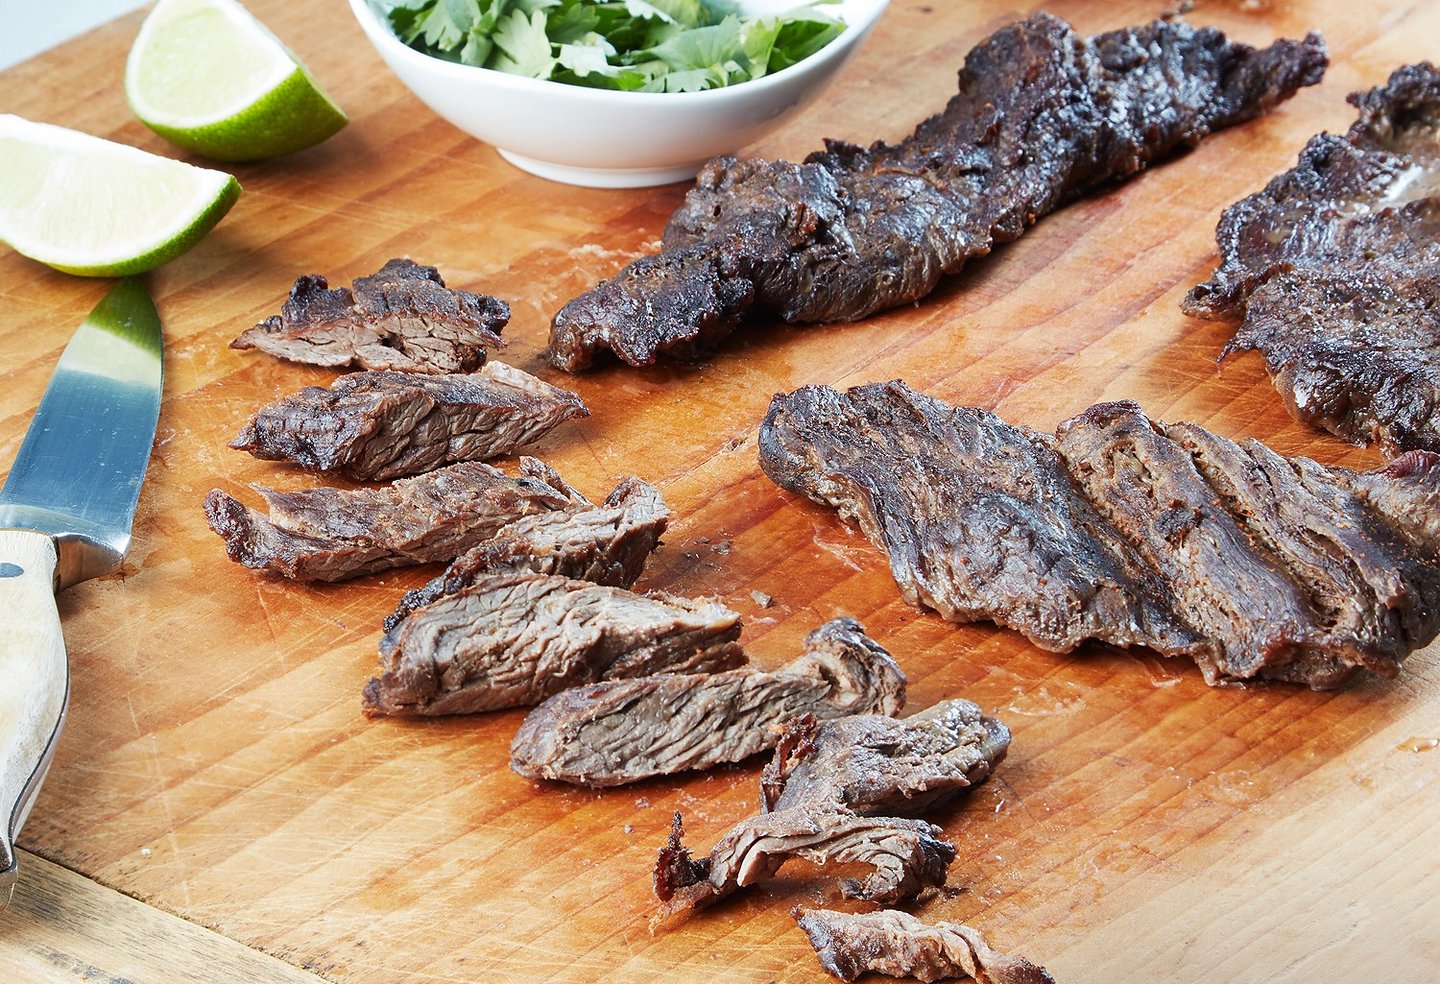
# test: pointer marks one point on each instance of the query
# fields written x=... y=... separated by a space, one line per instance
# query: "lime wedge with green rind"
x=97 y=208
x=205 y=74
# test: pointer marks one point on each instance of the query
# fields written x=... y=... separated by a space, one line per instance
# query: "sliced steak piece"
x=1334 y=272
x=401 y=318
x=1042 y=117
x=897 y=944
x=905 y=856
x=874 y=763
x=609 y=734
x=328 y=534
x=513 y=639
x=1253 y=564
x=606 y=544
x=980 y=519
x=380 y=425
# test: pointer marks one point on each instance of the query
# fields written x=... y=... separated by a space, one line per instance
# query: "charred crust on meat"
x=382 y=425
x=401 y=318
x=1042 y=117
x=1331 y=271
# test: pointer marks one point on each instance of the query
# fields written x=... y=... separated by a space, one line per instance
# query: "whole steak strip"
x=1334 y=272
x=609 y=734
x=401 y=318
x=513 y=639
x=905 y=856
x=1126 y=530
x=897 y=944
x=380 y=425
x=606 y=544
x=872 y=763
x=327 y=534
x=1042 y=117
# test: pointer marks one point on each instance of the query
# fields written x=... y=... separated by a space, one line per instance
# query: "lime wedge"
x=97 y=208
x=207 y=75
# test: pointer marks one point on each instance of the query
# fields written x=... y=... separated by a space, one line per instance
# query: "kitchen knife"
x=65 y=514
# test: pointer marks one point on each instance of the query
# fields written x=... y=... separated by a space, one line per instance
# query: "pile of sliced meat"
x=1127 y=530
x=1043 y=116
x=1334 y=272
x=845 y=792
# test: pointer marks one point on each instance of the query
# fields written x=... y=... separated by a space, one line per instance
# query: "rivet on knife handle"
x=34 y=683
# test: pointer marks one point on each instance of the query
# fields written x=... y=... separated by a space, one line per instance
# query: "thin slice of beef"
x=514 y=639
x=605 y=544
x=328 y=534
x=401 y=318
x=1042 y=117
x=381 y=425
x=897 y=944
x=874 y=763
x=1126 y=530
x=905 y=856
x=612 y=733
x=1333 y=271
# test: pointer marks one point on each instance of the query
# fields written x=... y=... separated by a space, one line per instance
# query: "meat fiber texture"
x=605 y=544
x=330 y=534
x=875 y=761
x=514 y=639
x=401 y=318
x=826 y=795
x=1042 y=117
x=382 y=425
x=622 y=731
x=897 y=944
x=1126 y=530
x=1334 y=272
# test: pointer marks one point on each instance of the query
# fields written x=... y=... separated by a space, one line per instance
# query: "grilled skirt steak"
x=1126 y=530
x=606 y=544
x=327 y=534
x=905 y=856
x=514 y=639
x=1042 y=117
x=1334 y=272
x=381 y=425
x=897 y=944
x=400 y=318
x=612 y=733
x=871 y=763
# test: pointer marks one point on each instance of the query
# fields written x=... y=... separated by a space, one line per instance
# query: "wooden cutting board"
x=216 y=766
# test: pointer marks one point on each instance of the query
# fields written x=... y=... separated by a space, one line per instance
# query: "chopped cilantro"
x=645 y=45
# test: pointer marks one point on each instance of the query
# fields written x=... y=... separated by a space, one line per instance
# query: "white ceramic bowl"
x=606 y=139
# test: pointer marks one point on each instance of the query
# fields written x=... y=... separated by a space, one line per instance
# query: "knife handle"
x=34 y=682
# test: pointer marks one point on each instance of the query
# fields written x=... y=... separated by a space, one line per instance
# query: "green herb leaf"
x=523 y=45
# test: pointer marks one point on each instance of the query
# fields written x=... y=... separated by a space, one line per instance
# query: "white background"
x=28 y=27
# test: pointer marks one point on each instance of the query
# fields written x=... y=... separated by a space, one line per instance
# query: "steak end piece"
x=1333 y=271
x=622 y=731
x=1126 y=530
x=897 y=944
x=904 y=857
x=605 y=544
x=401 y=318
x=513 y=639
x=330 y=534
x=382 y=425
x=1042 y=117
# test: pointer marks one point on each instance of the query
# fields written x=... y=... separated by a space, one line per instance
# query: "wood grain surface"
x=1145 y=827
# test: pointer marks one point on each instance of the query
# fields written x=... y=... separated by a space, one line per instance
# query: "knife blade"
x=66 y=510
